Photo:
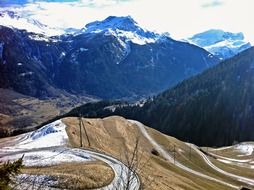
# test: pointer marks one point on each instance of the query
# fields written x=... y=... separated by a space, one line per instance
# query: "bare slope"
x=117 y=136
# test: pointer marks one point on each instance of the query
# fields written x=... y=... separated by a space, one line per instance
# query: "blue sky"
x=180 y=18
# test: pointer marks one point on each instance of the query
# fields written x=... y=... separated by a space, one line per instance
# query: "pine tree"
x=8 y=171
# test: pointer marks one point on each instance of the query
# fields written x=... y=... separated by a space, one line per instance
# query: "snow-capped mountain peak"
x=124 y=27
x=220 y=43
x=213 y=36
x=14 y=20
x=113 y=22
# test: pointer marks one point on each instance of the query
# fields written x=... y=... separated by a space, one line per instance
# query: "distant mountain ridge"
x=220 y=43
x=113 y=58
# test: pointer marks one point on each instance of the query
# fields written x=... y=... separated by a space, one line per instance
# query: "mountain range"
x=113 y=58
x=117 y=59
x=112 y=105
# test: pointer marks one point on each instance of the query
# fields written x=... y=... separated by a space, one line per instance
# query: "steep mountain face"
x=27 y=63
x=114 y=58
x=214 y=108
x=220 y=43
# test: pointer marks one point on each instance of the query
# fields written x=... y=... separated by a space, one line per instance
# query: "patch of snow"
x=25 y=74
x=44 y=147
x=51 y=135
x=39 y=38
x=111 y=108
x=49 y=157
x=83 y=49
x=134 y=37
x=245 y=148
x=62 y=54
x=210 y=55
x=141 y=102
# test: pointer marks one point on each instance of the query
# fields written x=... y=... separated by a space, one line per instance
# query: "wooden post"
x=174 y=154
x=89 y=144
x=80 y=131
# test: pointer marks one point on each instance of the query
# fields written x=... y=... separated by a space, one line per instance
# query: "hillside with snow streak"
x=49 y=147
x=44 y=146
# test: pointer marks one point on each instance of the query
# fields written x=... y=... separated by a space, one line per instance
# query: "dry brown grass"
x=190 y=158
x=115 y=135
x=88 y=175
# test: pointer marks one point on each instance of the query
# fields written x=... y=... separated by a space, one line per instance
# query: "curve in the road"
x=168 y=157
x=124 y=177
x=206 y=159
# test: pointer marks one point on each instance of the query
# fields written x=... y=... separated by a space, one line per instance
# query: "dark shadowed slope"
x=214 y=108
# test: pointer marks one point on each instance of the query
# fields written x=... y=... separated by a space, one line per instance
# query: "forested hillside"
x=212 y=109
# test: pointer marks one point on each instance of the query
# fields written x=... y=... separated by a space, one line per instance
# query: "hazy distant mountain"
x=220 y=43
x=14 y=20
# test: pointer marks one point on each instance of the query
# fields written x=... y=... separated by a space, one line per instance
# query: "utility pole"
x=80 y=131
x=174 y=154
x=89 y=144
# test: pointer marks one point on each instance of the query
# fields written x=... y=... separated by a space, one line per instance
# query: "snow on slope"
x=51 y=135
x=50 y=157
x=124 y=28
x=44 y=146
x=13 y=20
x=245 y=148
x=220 y=43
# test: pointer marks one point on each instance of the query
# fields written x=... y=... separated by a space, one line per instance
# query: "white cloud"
x=181 y=18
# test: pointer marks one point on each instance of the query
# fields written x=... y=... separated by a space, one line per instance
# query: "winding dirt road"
x=169 y=157
x=208 y=162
